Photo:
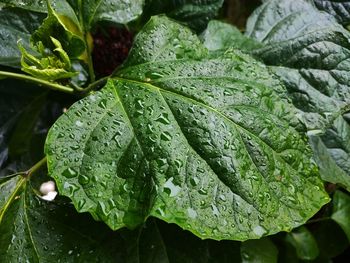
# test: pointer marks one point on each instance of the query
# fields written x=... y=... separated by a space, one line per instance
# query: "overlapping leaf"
x=195 y=14
x=310 y=52
x=337 y=8
x=16 y=24
x=33 y=230
x=220 y=36
x=203 y=143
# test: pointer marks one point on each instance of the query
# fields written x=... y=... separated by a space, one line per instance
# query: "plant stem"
x=94 y=85
x=36 y=167
x=89 y=58
x=30 y=171
x=40 y=82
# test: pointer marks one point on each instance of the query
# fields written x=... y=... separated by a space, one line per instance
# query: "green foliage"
x=145 y=141
x=191 y=140
x=313 y=62
x=337 y=8
x=49 y=66
x=16 y=24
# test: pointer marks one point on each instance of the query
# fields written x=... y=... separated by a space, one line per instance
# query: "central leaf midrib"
x=28 y=225
x=197 y=102
x=239 y=127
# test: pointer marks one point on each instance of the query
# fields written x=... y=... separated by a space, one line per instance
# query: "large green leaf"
x=338 y=8
x=310 y=52
x=16 y=24
x=203 y=143
x=87 y=12
x=116 y=11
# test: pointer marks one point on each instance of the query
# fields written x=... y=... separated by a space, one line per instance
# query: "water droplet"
x=79 y=123
x=81 y=204
x=83 y=179
x=174 y=189
x=102 y=104
x=215 y=210
x=165 y=136
x=194 y=181
x=191 y=213
x=259 y=230
x=163 y=118
x=203 y=191
x=70 y=173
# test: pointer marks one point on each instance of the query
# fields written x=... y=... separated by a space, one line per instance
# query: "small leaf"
x=187 y=139
x=219 y=37
x=16 y=24
x=304 y=243
x=341 y=211
x=63 y=28
x=50 y=66
x=262 y=250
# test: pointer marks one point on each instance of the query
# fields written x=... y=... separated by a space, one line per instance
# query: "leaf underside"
x=203 y=143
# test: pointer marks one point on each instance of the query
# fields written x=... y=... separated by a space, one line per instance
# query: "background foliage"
x=289 y=60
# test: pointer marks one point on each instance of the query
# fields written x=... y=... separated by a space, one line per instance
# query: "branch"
x=40 y=82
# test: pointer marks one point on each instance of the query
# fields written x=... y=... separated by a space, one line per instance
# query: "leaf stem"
x=94 y=85
x=30 y=171
x=89 y=59
x=40 y=82
x=36 y=167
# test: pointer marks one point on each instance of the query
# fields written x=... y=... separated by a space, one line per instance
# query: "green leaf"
x=31 y=5
x=304 y=243
x=331 y=239
x=194 y=13
x=22 y=134
x=341 y=211
x=332 y=152
x=310 y=52
x=261 y=250
x=340 y=9
x=51 y=65
x=219 y=37
x=33 y=230
x=16 y=24
x=61 y=27
x=203 y=143
x=17 y=101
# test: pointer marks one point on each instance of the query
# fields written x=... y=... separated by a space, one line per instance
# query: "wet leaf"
x=16 y=24
x=195 y=14
x=219 y=37
x=49 y=231
x=310 y=52
x=304 y=243
x=337 y=8
x=261 y=250
x=203 y=143
x=341 y=211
